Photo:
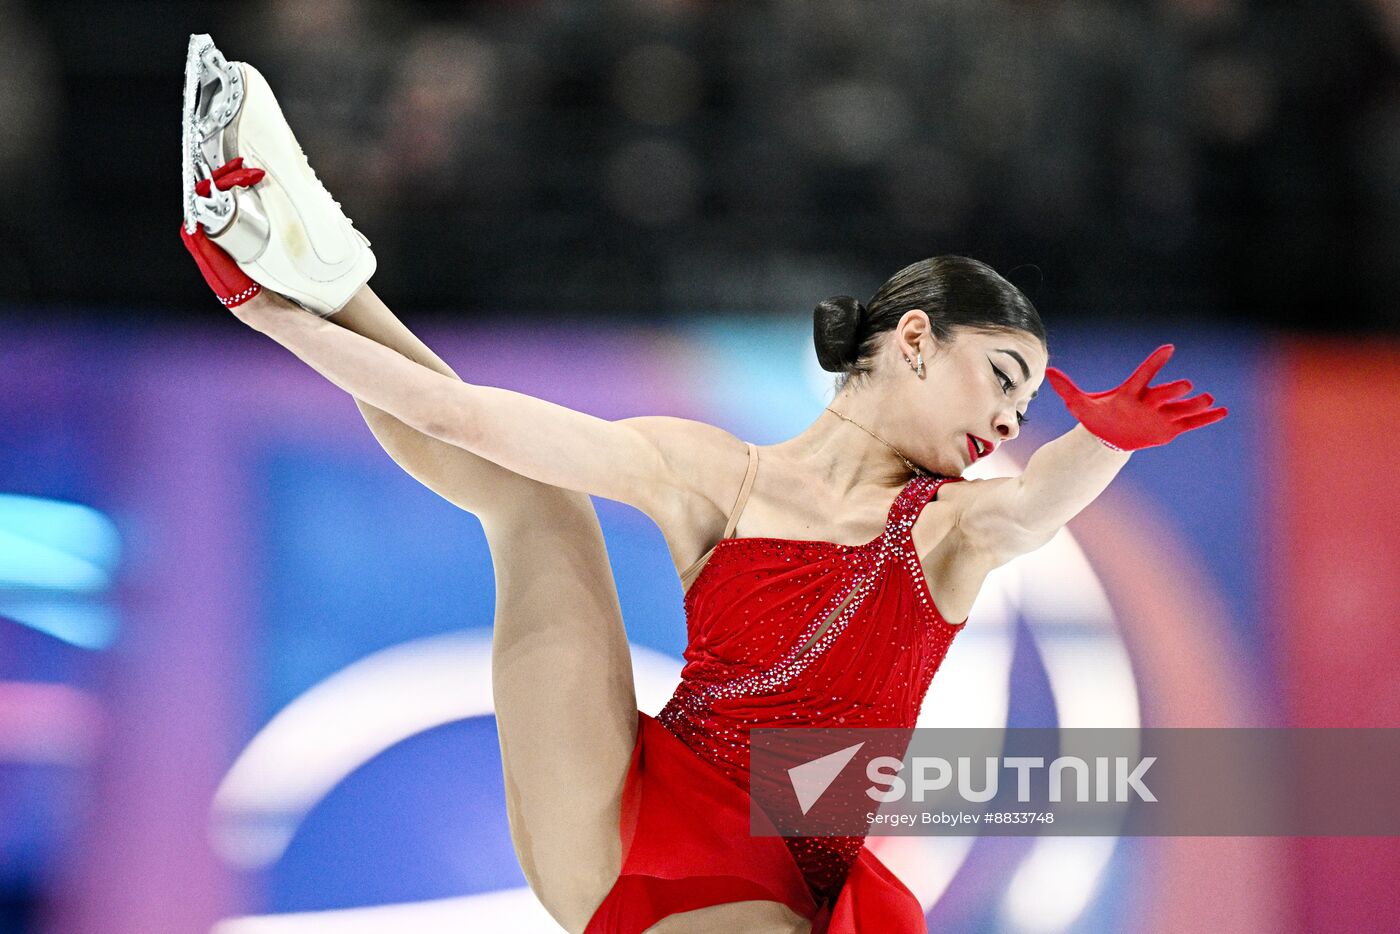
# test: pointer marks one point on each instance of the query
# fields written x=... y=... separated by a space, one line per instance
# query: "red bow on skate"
x=1135 y=415
x=230 y=283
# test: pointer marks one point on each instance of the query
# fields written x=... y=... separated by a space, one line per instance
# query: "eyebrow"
x=1025 y=370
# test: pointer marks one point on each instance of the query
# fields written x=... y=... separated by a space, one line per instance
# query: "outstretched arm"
x=532 y=437
x=459 y=476
x=1011 y=516
x=675 y=470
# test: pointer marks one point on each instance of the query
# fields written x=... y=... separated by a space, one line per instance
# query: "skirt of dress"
x=686 y=844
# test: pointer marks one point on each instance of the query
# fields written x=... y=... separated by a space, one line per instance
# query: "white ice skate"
x=286 y=233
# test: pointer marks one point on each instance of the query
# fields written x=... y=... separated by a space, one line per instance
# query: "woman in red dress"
x=825 y=575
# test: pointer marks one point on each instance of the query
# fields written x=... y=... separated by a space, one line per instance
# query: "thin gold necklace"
x=918 y=471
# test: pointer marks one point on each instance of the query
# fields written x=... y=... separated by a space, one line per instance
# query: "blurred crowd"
x=1171 y=158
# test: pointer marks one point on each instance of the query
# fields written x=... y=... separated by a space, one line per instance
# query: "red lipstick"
x=987 y=447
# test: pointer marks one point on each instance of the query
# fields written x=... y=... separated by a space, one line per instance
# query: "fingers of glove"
x=1147 y=369
x=244 y=178
x=1188 y=406
x=233 y=165
x=1062 y=384
x=1201 y=419
x=1167 y=391
x=225 y=178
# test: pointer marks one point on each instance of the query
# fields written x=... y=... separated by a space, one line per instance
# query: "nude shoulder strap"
x=744 y=489
x=689 y=574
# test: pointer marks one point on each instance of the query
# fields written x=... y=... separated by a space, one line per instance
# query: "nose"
x=1007 y=425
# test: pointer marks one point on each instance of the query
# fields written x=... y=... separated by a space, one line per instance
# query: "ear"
x=914 y=334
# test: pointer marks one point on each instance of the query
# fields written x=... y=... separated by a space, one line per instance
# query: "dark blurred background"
x=198 y=535
x=1165 y=158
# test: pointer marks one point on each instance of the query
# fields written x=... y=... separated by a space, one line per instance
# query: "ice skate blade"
x=213 y=94
x=218 y=86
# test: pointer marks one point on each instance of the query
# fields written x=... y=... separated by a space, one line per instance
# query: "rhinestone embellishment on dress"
x=786 y=633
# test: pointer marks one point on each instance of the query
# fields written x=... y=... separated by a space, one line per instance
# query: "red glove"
x=1134 y=415
x=230 y=283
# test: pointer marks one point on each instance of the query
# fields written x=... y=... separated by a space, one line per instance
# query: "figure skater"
x=823 y=575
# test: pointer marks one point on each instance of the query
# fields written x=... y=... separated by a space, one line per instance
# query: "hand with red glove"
x=1135 y=415
x=230 y=283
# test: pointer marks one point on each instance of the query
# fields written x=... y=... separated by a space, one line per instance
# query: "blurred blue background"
x=244 y=658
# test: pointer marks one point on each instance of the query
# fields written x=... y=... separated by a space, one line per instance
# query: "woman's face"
x=974 y=393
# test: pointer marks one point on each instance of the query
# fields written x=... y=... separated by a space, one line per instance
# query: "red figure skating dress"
x=782 y=633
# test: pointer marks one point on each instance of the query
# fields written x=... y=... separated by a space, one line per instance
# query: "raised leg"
x=561 y=668
x=565 y=704
x=566 y=711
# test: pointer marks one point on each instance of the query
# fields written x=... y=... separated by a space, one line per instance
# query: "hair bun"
x=836 y=327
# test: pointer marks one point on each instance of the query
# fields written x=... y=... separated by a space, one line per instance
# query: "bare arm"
x=461 y=477
x=538 y=439
x=1009 y=516
x=1000 y=519
x=1062 y=477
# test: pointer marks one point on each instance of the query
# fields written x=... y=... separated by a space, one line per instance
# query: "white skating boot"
x=285 y=232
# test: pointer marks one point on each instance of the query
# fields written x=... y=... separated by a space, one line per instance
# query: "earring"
x=919 y=371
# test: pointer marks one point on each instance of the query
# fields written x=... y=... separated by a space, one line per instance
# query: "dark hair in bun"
x=954 y=291
x=836 y=326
